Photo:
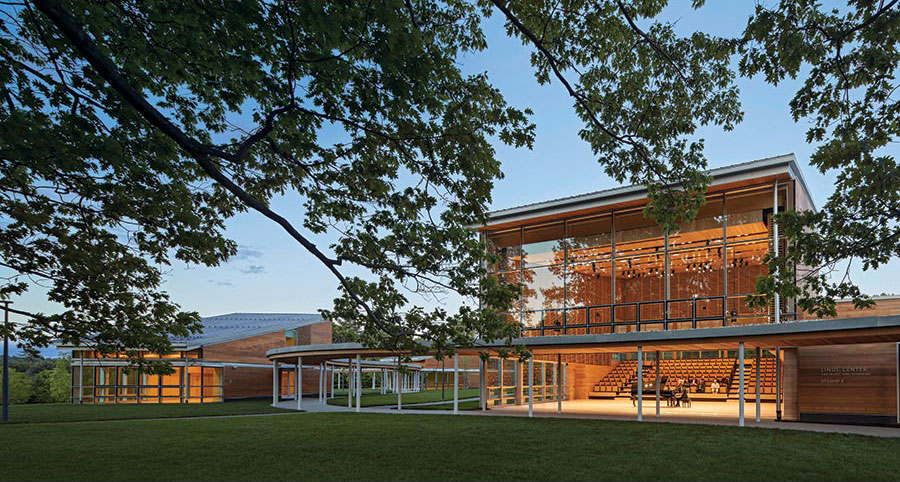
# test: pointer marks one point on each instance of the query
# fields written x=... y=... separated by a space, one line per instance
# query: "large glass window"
x=507 y=247
x=543 y=245
x=618 y=272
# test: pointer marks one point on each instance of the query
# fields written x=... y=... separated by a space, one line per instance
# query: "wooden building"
x=226 y=360
x=616 y=311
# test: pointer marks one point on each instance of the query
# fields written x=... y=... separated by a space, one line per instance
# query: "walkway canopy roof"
x=870 y=329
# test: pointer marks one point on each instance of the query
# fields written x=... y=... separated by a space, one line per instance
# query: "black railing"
x=723 y=315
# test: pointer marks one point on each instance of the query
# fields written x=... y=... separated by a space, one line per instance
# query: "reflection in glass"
x=543 y=245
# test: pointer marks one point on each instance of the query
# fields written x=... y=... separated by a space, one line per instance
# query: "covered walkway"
x=525 y=395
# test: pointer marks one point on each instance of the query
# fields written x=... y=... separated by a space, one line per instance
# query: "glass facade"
x=618 y=272
x=127 y=384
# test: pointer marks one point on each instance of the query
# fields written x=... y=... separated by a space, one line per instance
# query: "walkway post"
x=741 y=387
x=531 y=385
x=657 y=383
x=758 y=409
x=559 y=383
x=298 y=381
x=350 y=387
x=640 y=383
x=399 y=392
x=778 y=383
x=455 y=383
x=358 y=382
x=331 y=395
x=482 y=381
x=322 y=383
x=274 y=382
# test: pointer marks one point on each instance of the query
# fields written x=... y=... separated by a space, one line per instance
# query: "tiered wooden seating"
x=616 y=381
x=767 y=380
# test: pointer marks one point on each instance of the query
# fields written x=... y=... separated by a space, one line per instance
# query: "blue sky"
x=273 y=274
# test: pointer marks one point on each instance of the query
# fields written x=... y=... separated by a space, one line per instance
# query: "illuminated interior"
x=616 y=271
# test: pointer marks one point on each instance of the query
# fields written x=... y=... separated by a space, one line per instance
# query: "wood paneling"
x=856 y=380
x=246 y=350
x=317 y=334
x=789 y=384
x=580 y=379
x=247 y=382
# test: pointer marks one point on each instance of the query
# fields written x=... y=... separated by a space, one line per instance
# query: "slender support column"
x=520 y=389
x=778 y=384
x=331 y=395
x=500 y=382
x=350 y=387
x=775 y=250
x=482 y=379
x=373 y=381
x=298 y=381
x=322 y=383
x=456 y=383
x=657 y=384
x=399 y=392
x=358 y=382
x=383 y=380
x=274 y=382
x=758 y=408
x=741 y=388
x=531 y=385
x=81 y=380
x=640 y=383
x=559 y=383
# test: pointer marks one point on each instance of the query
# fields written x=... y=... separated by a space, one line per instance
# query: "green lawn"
x=350 y=446
x=65 y=412
x=376 y=399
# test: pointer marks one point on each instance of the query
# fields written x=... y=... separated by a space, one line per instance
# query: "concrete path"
x=548 y=410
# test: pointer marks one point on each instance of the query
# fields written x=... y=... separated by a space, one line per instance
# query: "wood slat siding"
x=789 y=409
x=581 y=378
x=253 y=349
x=247 y=350
x=247 y=382
x=864 y=386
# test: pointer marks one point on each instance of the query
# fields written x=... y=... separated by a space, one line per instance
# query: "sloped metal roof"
x=235 y=326
x=783 y=163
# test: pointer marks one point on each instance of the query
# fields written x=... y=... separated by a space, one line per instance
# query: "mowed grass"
x=350 y=446
x=65 y=412
x=376 y=399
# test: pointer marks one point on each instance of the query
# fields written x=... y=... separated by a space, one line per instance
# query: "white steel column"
x=775 y=247
x=500 y=381
x=482 y=382
x=657 y=383
x=298 y=381
x=331 y=395
x=758 y=410
x=274 y=382
x=358 y=382
x=350 y=387
x=399 y=392
x=640 y=383
x=321 y=383
x=741 y=388
x=456 y=383
x=531 y=385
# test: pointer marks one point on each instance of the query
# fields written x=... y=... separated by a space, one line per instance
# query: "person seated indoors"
x=714 y=388
x=701 y=387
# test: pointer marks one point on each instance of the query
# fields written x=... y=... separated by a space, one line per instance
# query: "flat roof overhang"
x=871 y=329
x=783 y=167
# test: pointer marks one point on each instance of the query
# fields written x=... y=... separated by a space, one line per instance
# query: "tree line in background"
x=34 y=379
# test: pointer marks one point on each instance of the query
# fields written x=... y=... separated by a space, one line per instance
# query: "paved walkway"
x=549 y=410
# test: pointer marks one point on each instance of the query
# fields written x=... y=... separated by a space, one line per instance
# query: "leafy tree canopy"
x=125 y=144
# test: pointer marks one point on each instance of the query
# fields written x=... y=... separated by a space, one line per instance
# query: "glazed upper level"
x=594 y=264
